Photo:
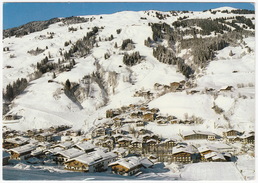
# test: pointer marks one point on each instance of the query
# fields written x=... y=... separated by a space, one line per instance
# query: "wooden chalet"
x=149 y=117
x=45 y=137
x=214 y=157
x=140 y=123
x=203 y=150
x=85 y=146
x=112 y=113
x=231 y=133
x=22 y=152
x=15 y=142
x=124 y=142
x=64 y=145
x=169 y=143
x=184 y=154
x=98 y=132
x=126 y=166
x=120 y=152
x=249 y=139
x=175 y=86
x=64 y=155
x=196 y=135
x=96 y=161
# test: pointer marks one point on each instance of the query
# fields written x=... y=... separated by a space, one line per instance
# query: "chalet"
x=175 y=121
x=149 y=117
x=85 y=146
x=162 y=122
x=120 y=152
x=195 y=135
x=126 y=166
x=124 y=142
x=31 y=133
x=15 y=142
x=226 y=89
x=98 y=132
x=223 y=147
x=96 y=161
x=21 y=152
x=215 y=157
x=6 y=157
x=203 y=150
x=117 y=137
x=175 y=86
x=140 y=123
x=249 y=139
x=45 y=137
x=64 y=145
x=231 y=133
x=136 y=144
x=146 y=163
x=154 y=110
x=144 y=131
x=67 y=154
x=10 y=117
x=112 y=113
x=136 y=114
x=169 y=143
x=184 y=154
x=233 y=139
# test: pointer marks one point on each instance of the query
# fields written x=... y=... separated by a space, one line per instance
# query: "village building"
x=45 y=137
x=22 y=152
x=98 y=132
x=184 y=154
x=85 y=146
x=214 y=157
x=203 y=150
x=120 y=152
x=112 y=113
x=149 y=117
x=10 y=117
x=96 y=161
x=62 y=156
x=231 y=133
x=195 y=135
x=15 y=142
x=124 y=142
x=126 y=166
x=64 y=145
x=6 y=156
x=140 y=123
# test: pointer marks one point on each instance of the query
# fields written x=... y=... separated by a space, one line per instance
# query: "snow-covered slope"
x=45 y=103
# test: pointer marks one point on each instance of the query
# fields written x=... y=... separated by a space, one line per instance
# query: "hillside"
x=89 y=52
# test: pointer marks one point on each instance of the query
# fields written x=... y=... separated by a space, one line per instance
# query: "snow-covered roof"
x=65 y=144
x=206 y=148
x=119 y=150
x=71 y=153
x=45 y=134
x=24 y=148
x=221 y=146
x=129 y=162
x=188 y=149
x=94 y=157
x=193 y=132
x=151 y=140
x=54 y=150
x=18 y=140
x=146 y=162
x=85 y=146
x=214 y=156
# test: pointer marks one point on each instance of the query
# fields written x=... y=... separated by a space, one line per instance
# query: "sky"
x=17 y=13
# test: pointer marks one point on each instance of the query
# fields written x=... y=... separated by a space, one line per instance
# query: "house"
x=45 y=137
x=195 y=135
x=15 y=142
x=67 y=154
x=149 y=117
x=22 y=152
x=64 y=145
x=140 y=123
x=96 y=161
x=184 y=154
x=215 y=157
x=120 y=152
x=203 y=150
x=175 y=86
x=85 y=146
x=112 y=113
x=126 y=166
x=226 y=88
x=124 y=142
x=169 y=143
x=98 y=132
x=10 y=117
x=231 y=133
x=6 y=157
x=249 y=139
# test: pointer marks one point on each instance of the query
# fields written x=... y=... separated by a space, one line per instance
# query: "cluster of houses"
x=124 y=151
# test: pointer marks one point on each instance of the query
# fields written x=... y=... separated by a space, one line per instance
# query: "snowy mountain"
x=77 y=68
